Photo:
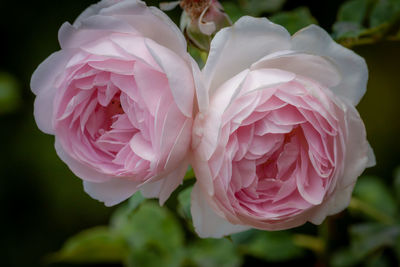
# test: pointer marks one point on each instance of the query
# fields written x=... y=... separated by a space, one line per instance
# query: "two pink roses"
x=269 y=124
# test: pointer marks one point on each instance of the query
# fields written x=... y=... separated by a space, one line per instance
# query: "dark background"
x=43 y=203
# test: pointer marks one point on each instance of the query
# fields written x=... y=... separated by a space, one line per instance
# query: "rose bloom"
x=119 y=98
x=277 y=141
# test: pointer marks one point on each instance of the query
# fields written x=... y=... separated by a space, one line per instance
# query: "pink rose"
x=277 y=141
x=119 y=98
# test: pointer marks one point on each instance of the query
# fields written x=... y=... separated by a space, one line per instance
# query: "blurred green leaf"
x=365 y=238
x=384 y=11
x=294 y=20
x=378 y=260
x=344 y=29
x=350 y=18
x=353 y=11
x=121 y=216
x=184 y=203
x=257 y=7
x=396 y=184
x=344 y=258
x=372 y=191
x=93 y=246
x=367 y=21
x=313 y=243
x=9 y=93
x=272 y=246
x=233 y=10
x=154 y=236
x=151 y=255
x=189 y=173
x=213 y=253
x=135 y=201
x=244 y=237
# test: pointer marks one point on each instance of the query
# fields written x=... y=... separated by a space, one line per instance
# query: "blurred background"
x=44 y=203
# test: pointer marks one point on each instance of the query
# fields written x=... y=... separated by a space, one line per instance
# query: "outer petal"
x=90 y=30
x=318 y=68
x=42 y=84
x=179 y=76
x=79 y=169
x=352 y=67
x=46 y=73
x=358 y=157
x=95 y=9
x=235 y=48
x=112 y=192
x=201 y=90
x=150 y=22
x=206 y=222
x=163 y=187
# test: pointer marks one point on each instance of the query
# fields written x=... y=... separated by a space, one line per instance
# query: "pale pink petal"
x=352 y=67
x=206 y=222
x=314 y=67
x=111 y=192
x=182 y=85
x=163 y=187
x=79 y=169
x=235 y=48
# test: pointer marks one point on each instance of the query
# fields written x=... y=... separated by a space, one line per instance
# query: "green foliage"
x=236 y=10
x=384 y=11
x=213 y=253
x=366 y=21
x=257 y=7
x=366 y=238
x=233 y=10
x=397 y=184
x=269 y=246
x=294 y=20
x=99 y=244
x=9 y=93
x=374 y=193
x=184 y=203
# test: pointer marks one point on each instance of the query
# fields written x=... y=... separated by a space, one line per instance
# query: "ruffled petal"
x=352 y=67
x=111 y=192
x=235 y=48
x=206 y=222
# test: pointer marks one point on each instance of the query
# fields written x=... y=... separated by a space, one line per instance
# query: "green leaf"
x=96 y=245
x=294 y=20
x=350 y=19
x=353 y=11
x=397 y=184
x=213 y=253
x=372 y=191
x=184 y=203
x=121 y=216
x=135 y=201
x=272 y=246
x=378 y=260
x=234 y=11
x=343 y=29
x=9 y=93
x=344 y=258
x=384 y=11
x=190 y=172
x=365 y=239
x=257 y=7
x=151 y=255
x=154 y=236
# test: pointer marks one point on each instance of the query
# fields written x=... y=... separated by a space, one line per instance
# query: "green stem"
x=313 y=243
x=360 y=206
